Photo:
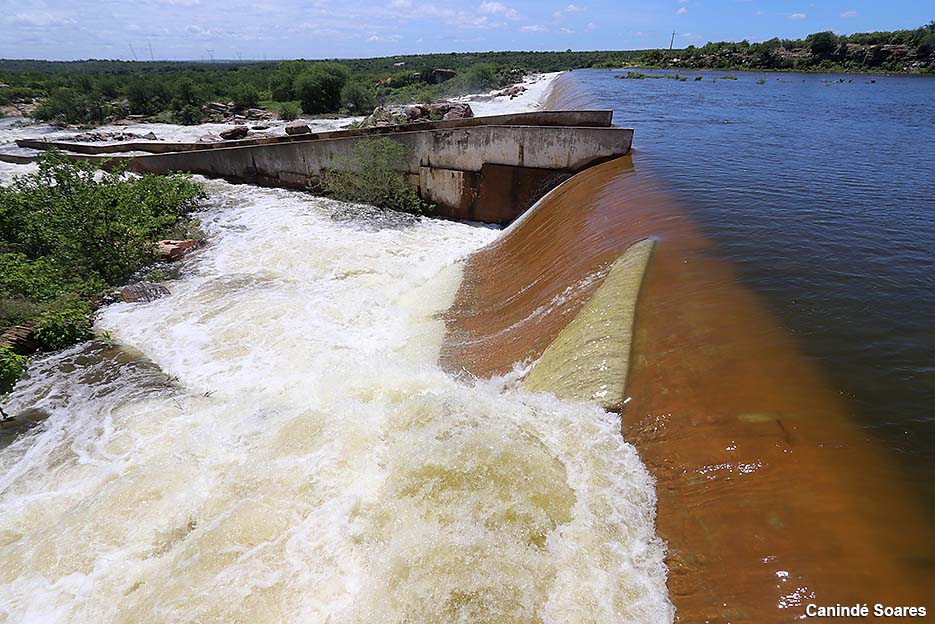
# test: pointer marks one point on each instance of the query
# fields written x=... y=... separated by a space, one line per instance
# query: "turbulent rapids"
x=276 y=442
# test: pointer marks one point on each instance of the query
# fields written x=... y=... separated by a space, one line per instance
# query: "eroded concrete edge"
x=589 y=360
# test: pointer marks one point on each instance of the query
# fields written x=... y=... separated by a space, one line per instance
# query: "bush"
x=147 y=97
x=66 y=322
x=245 y=96
x=12 y=366
x=372 y=173
x=289 y=111
x=73 y=106
x=69 y=231
x=319 y=88
x=358 y=99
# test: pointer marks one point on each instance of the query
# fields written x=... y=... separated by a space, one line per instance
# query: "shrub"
x=12 y=366
x=245 y=96
x=64 y=323
x=358 y=99
x=289 y=111
x=69 y=231
x=372 y=173
x=147 y=97
x=73 y=106
x=319 y=88
x=186 y=94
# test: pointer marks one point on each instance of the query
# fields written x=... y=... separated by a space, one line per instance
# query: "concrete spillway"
x=486 y=169
x=760 y=476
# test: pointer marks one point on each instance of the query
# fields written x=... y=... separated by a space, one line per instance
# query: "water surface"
x=820 y=191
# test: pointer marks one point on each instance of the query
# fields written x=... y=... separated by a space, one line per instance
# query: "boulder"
x=20 y=339
x=439 y=76
x=142 y=292
x=175 y=249
x=458 y=111
x=298 y=128
x=237 y=132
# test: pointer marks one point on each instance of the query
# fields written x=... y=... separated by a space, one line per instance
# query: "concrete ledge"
x=595 y=119
x=590 y=359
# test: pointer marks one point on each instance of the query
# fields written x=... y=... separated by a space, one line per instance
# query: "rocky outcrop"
x=438 y=76
x=415 y=113
x=175 y=249
x=20 y=339
x=227 y=112
x=237 y=132
x=103 y=136
x=142 y=292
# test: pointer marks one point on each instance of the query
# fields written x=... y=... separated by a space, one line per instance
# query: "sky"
x=276 y=29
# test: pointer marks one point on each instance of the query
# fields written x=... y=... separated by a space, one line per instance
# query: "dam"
x=394 y=448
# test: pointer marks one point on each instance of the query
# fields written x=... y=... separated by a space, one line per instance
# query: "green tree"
x=822 y=44
x=358 y=99
x=319 y=88
x=245 y=95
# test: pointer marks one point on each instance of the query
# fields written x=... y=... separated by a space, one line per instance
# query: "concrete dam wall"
x=486 y=169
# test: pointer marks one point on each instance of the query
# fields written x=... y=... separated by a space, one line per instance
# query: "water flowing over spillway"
x=275 y=442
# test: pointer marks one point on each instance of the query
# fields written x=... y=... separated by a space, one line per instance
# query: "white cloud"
x=566 y=31
x=760 y=12
x=498 y=8
x=534 y=28
x=568 y=10
x=849 y=14
x=681 y=11
x=797 y=16
x=592 y=26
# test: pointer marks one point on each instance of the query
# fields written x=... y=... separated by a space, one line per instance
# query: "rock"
x=237 y=132
x=458 y=111
x=439 y=76
x=150 y=136
x=142 y=292
x=20 y=339
x=175 y=249
x=298 y=128
x=260 y=127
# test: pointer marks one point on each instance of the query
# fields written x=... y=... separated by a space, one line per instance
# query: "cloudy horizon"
x=237 y=29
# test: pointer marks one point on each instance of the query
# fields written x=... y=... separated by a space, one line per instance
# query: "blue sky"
x=270 y=29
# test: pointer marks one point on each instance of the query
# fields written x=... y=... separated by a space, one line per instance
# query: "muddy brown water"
x=769 y=496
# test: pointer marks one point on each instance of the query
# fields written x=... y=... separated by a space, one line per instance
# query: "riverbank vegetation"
x=70 y=233
x=900 y=51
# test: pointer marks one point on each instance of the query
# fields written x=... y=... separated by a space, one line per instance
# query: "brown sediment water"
x=769 y=497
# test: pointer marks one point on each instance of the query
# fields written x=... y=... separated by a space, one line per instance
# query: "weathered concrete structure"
x=487 y=169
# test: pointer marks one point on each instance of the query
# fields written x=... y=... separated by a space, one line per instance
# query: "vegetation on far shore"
x=95 y=91
x=69 y=234
x=899 y=51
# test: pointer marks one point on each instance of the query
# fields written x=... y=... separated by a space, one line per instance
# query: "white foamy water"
x=306 y=460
